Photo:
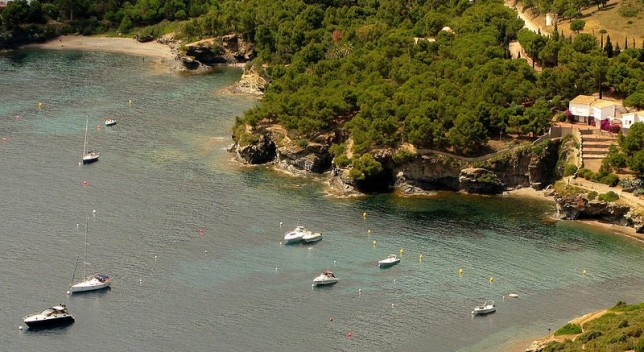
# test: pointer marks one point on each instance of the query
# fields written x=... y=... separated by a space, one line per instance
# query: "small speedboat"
x=92 y=283
x=311 y=237
x=326 y=278
x=513 y=295
x=295 y=236
x=485 y=308
x=110 y=122
x=391 y=260
x=50 y=317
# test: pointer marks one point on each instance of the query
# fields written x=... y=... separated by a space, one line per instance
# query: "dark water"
x=164 y=174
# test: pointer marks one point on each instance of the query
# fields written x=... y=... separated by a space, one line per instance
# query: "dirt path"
x=529 y=23
x=632 y=200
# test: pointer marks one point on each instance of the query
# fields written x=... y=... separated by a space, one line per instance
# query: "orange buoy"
x=349 y=334
x=202 y=231
x=85 y=183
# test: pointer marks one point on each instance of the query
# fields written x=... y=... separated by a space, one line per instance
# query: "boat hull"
x=86 y=287
x=325 y=282
x=483 y=311
x=36 y=323
x=89 y=160
x=312 y=238
x=387 y=264
x=295 y=240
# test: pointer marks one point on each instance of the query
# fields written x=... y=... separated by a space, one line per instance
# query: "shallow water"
x=164 y=174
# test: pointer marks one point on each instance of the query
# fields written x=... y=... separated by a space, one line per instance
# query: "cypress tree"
x=625 y=42
x=608 y=48
x=618 y=50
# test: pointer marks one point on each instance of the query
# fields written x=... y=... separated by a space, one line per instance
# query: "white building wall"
x=580 y=109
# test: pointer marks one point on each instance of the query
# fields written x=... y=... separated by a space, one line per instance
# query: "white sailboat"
x=92 y=155
x=92 y=282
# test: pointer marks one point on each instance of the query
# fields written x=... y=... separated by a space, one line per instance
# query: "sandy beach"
x=128 y=46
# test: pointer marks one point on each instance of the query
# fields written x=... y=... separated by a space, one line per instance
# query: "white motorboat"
x=89 y=283
x=326 y=278
x=513 y=295
x=391 y=260
x=110 y=122
x=311 y=237
x=92 y=155
x=295 y=236
x=485 y=308
x=50 y=317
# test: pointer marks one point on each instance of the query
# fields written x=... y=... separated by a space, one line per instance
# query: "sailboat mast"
x=85 y=259
x=85 y=142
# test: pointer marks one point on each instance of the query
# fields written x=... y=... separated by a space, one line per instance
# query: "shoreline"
x=614 y=229
x=128 y=46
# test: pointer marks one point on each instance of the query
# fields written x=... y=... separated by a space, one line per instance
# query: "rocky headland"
x=423 y=172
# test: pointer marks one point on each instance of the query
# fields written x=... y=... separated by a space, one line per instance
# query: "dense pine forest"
x=434 y=73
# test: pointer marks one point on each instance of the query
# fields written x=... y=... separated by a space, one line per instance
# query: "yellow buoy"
x=129 y=101
x=364 y=215
x=369 y=232
x=491 y=279
x=374 y=243
x=39 y=105
x=584 y=272
x=402 y=251
x=420 y=258
x=461 y=271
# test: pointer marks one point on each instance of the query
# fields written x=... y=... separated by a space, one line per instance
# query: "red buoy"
x=202 y=231
x=85 y=183
x=349 y=334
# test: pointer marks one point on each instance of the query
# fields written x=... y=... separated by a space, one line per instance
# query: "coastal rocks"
x=314 y=157
x=251 y=82
x=542 y=169
x=579 y=207
x=537 y=346
x=427 y=172
x=259 y=152
x=635 y=221
x=227 y=49
x=480 y=180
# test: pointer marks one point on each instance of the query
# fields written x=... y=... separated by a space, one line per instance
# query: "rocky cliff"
x=579 y=206
x=422 y=172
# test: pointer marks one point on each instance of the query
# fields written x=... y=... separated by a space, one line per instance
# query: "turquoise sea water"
x=164 y=174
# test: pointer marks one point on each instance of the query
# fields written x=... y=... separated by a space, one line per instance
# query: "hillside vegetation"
x=620 y=329
x=436 y=74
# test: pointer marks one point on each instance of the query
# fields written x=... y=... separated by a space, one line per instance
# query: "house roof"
x=583 y=99
x=600 y=103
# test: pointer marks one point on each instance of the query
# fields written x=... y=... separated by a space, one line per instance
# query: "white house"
x=630 y=118
x=587 y=109
x=603 y=109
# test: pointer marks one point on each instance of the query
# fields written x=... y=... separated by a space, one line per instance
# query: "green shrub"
x=590 y=335
x=302 y=143
x=623 y=324
x=585 y=173
x=621 y=338
x=610 y=179
x=569 y=329
x=561 y=117
x=570 y=169
x=342 y=160
x=640 y=345
x=592 y=195
x=608 y=197
x=402 y=156
x=634 y=331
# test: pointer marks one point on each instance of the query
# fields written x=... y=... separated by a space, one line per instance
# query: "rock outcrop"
x=227 y=49
x=479 y=180
x=574 y=207
x=260 y=152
